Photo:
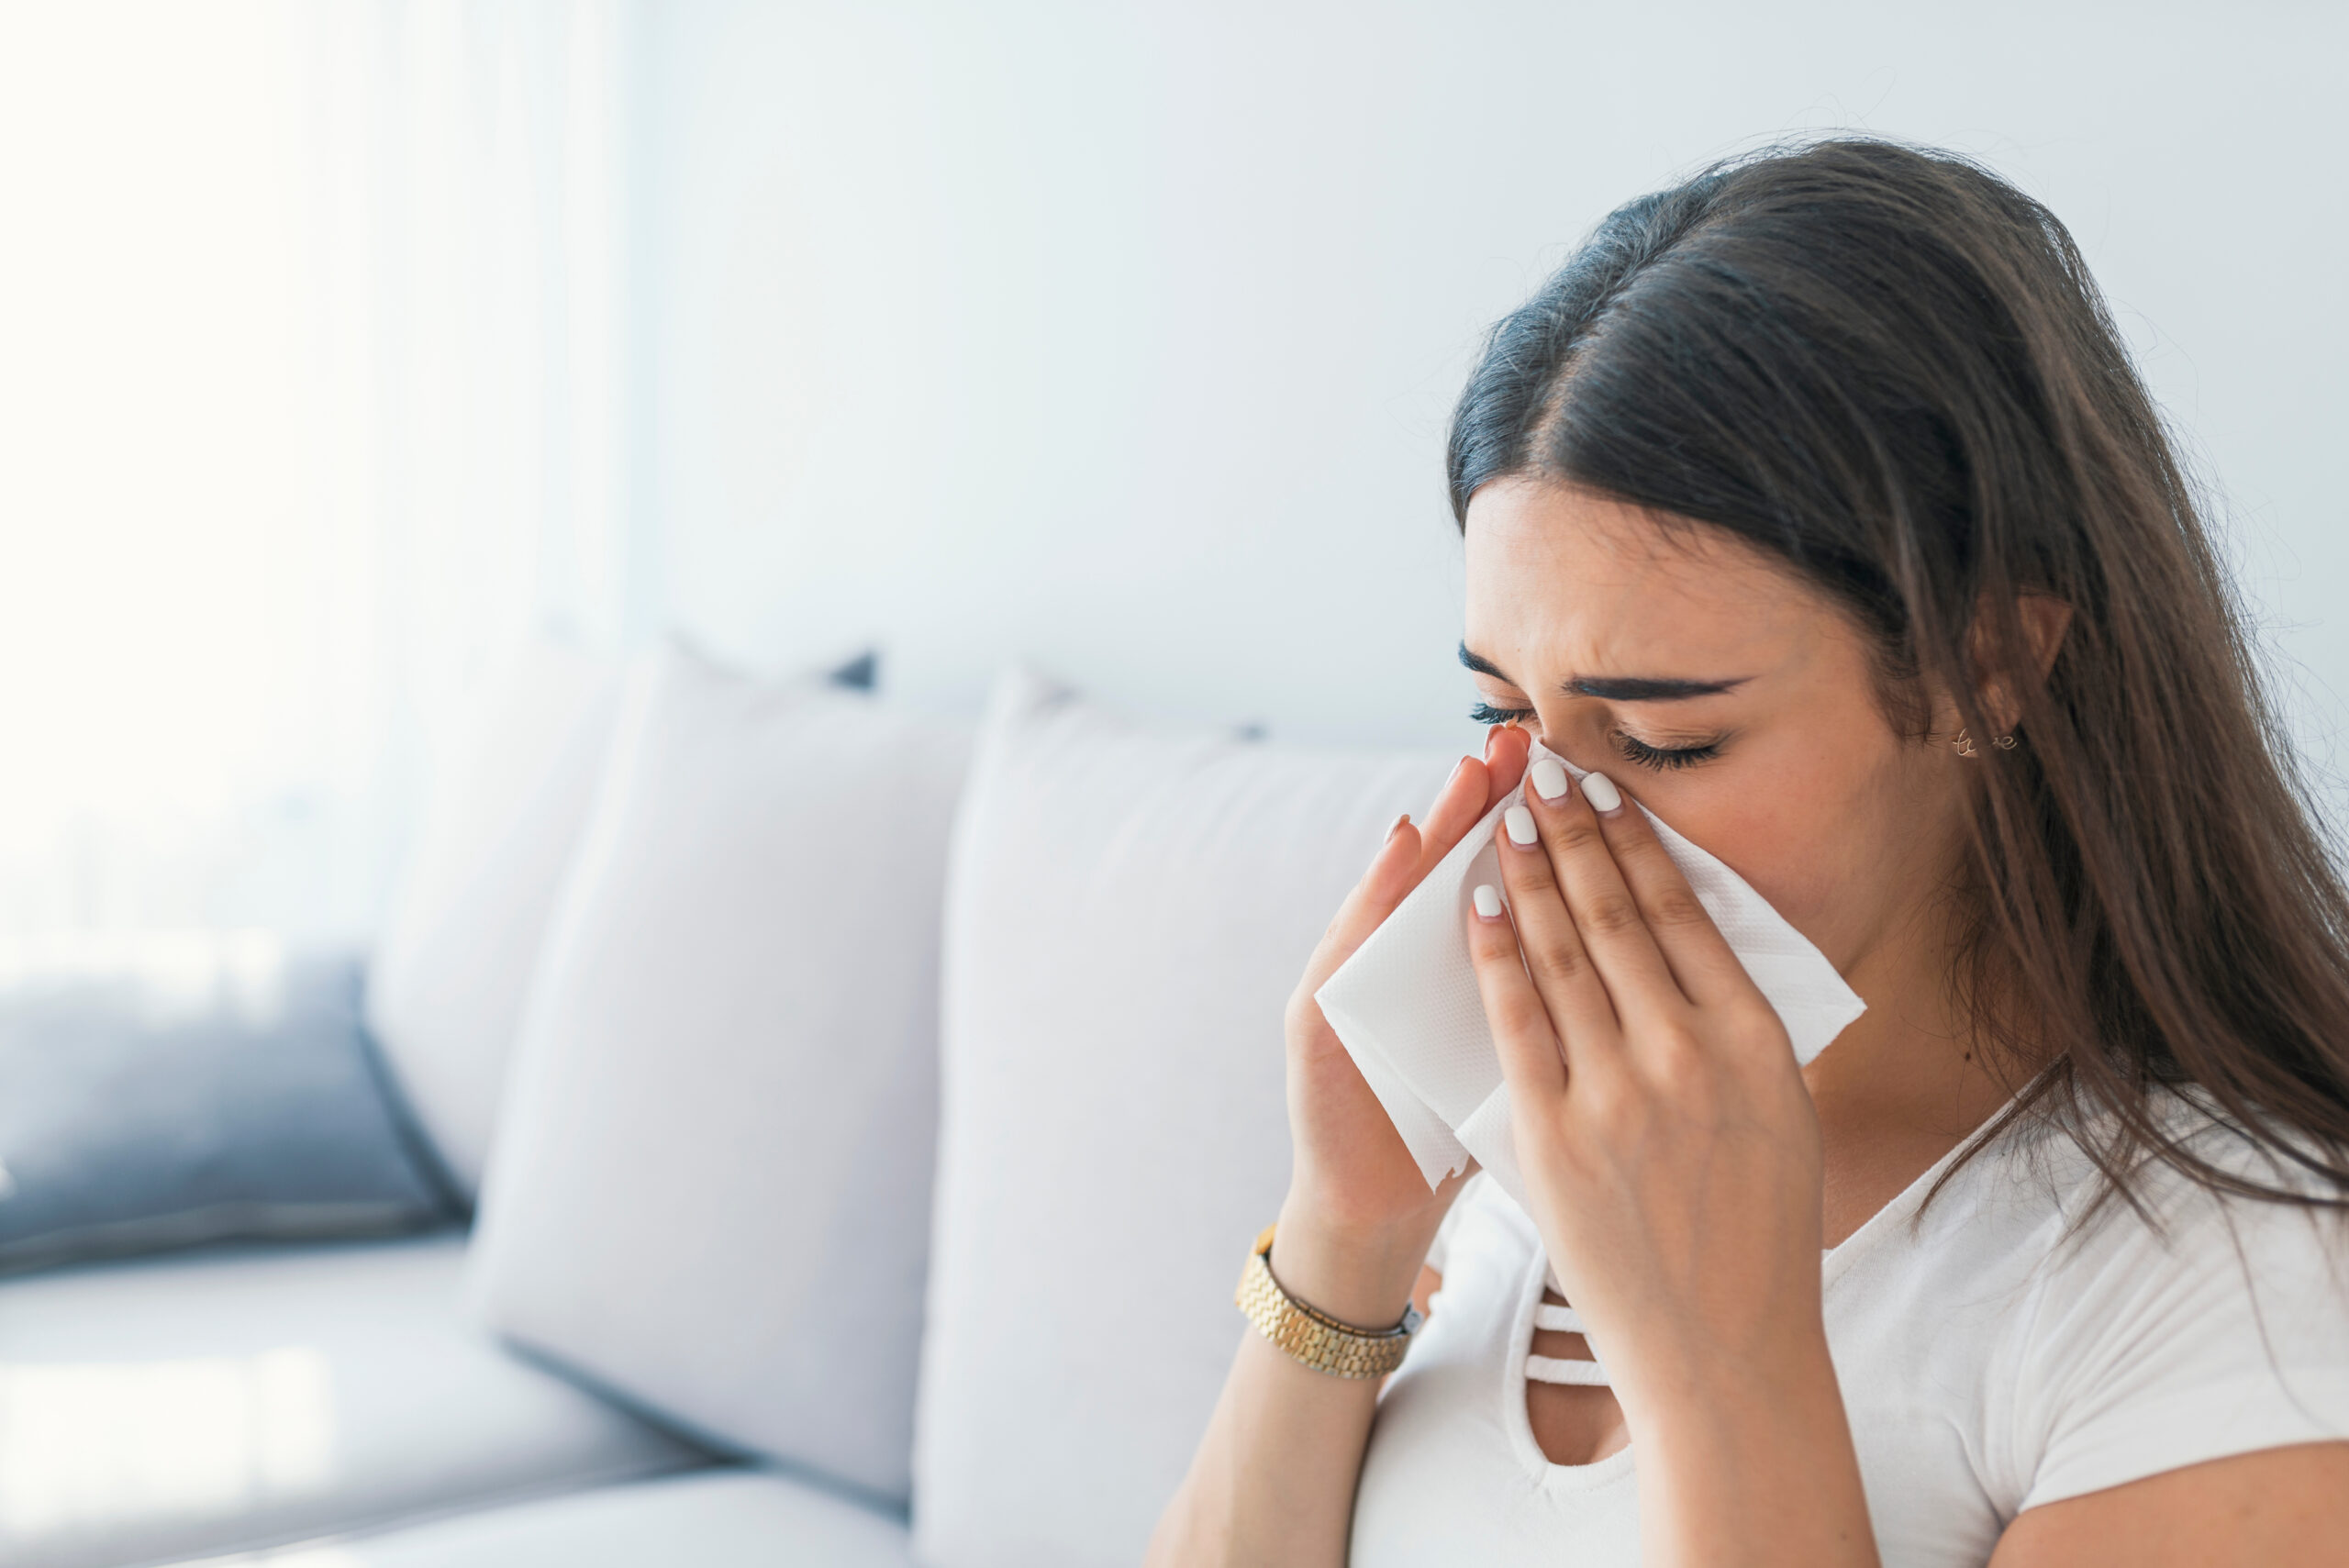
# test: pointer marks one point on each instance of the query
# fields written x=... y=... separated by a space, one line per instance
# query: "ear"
x=2045 y=620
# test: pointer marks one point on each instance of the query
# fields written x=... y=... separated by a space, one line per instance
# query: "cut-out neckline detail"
x=1534 y=1315
x=1585 y=1372
x=1561 y=1370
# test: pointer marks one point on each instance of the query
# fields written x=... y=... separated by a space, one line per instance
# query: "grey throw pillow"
x=192 y=1089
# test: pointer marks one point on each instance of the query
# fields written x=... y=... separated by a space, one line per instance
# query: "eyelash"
x=1659 y=758
x=1485 y=713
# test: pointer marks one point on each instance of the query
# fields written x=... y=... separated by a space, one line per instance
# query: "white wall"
x=1122 y=337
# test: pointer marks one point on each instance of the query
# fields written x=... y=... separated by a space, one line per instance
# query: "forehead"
x=1563 y=582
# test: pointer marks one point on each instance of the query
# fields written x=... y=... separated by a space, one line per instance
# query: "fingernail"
x=1600 y=791
x=1398 y=828
x=1549 y=779
x=1456 y=771
x=1521 y=824
x=1489 y=902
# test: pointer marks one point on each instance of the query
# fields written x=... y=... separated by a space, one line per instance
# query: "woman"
x=1816 y=505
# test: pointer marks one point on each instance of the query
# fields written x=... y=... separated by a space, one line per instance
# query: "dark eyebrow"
x=1622 y=688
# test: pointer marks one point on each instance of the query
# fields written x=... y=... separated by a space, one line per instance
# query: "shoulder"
x=2176 y=1325
x=2225 y=1510
x=2165 y=1232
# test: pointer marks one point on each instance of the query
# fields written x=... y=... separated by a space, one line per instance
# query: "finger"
x=1533 y=1063
x=1701 y=957
x=1555 y=956
x=1458 y=807
x=1394 y=871
x=1403 y=859
x=1409 y=851
x=1506 y=747
x=1568 y=844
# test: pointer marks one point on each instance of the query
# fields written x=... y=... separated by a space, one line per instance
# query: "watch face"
x=1412 y=1319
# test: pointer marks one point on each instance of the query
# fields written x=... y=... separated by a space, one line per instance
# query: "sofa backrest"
x=1127 y=910
x=709 y=1190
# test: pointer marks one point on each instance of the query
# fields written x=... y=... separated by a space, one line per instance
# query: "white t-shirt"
x=1988 y=1363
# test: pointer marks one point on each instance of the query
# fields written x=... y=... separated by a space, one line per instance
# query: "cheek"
x=1834 y=841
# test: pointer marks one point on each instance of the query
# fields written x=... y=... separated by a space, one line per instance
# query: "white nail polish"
x=1488 y=901
x=1600 y=791
x=1549 y=779
x=1521 y=824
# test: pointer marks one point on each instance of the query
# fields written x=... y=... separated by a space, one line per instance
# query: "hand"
x=1670 y=1149
x=1355 y=1189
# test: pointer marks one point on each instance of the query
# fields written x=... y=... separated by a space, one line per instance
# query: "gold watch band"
x=1310 y=1336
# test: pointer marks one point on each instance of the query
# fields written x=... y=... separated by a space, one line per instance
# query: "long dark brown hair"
x=1890 y=369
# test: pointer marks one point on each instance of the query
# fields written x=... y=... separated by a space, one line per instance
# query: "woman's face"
x=1731 y=698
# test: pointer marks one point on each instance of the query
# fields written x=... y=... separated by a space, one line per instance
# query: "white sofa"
x=729 y=1325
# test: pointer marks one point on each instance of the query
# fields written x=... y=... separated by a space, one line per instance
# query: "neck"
x=1908 y=1080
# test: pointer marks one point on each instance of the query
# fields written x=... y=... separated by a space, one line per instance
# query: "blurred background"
x=343 y=345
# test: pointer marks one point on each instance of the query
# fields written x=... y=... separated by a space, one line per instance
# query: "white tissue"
x=1407 y=1006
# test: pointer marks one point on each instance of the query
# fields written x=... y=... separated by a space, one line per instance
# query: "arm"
x=1672 y=1160
x=1274 y=1479
x=1273 y=1482
x=2277 y=1508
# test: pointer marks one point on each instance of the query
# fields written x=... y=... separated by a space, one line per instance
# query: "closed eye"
x=1659 y=759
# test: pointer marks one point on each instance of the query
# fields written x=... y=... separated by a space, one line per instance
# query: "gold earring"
x=1964 y=744
x=1966 y=747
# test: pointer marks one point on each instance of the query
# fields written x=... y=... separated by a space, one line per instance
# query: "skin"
x=1685 y=1175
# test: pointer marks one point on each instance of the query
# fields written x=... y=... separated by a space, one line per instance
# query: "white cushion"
x=170 y=1406
x=453 y=964
x=1128 y=912
x=710 y=1188
x=724 y=1517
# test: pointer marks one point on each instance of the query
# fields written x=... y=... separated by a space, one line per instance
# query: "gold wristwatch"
x=1312 y=1336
